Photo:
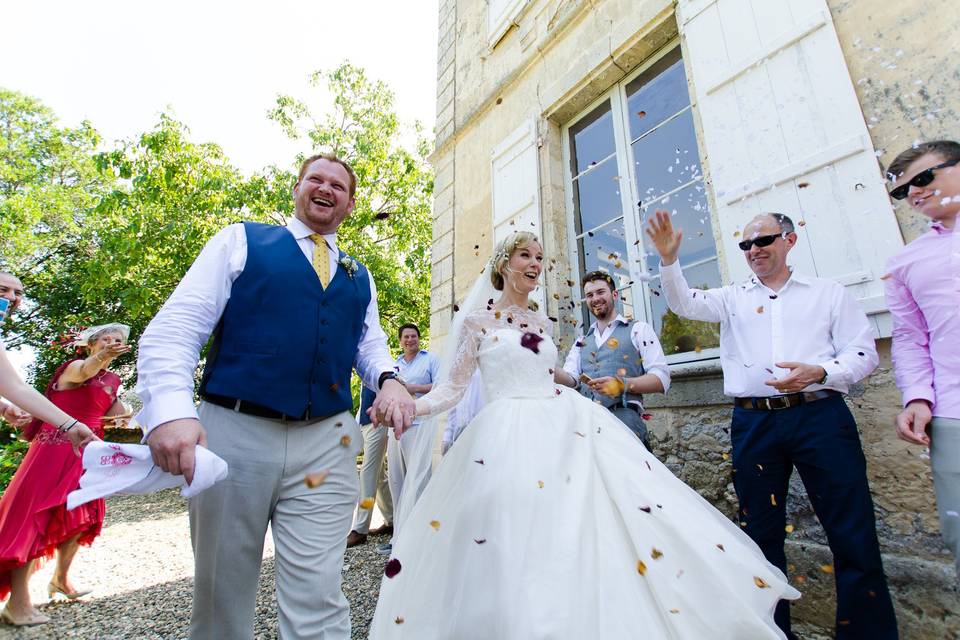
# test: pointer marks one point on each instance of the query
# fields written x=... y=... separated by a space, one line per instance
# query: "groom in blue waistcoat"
x=291 y=316
x=616 y=360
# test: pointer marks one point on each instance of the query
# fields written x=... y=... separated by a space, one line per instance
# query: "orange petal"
x=613 y=343
x=788 y=528
x=435 y=524
x=612 y=387
x=760 y=582
x=656 y=554
x=314 y=480
x=345 y=441
x=760 y=309
x=773 y=499
x=827 y=568
x=641 y=567
x=366 y=503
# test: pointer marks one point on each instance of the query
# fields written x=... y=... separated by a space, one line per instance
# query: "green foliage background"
x=105 y=234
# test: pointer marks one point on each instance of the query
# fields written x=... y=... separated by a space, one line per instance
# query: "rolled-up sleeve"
x=651 y=353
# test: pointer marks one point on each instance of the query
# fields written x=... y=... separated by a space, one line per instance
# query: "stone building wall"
x=561 y=56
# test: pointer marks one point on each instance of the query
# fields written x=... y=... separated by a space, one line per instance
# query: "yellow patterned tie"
x=321 y=259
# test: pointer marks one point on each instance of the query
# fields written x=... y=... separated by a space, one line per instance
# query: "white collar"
x=301 y=231
x=795 y=276
x=619 y=318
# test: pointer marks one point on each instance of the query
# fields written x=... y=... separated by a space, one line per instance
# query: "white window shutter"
x=783 y=131
x=500 y=15
x=516 y=186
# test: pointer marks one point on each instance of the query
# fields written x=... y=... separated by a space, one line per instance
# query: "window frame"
x=635 y=239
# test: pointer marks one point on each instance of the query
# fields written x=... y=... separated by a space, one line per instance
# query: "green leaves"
x=105 y=234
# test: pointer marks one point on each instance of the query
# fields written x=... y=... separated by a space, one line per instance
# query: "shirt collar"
x=419 y=353
x=939 y=227
x=619 y=318
x=795 y=276
x=301 y=231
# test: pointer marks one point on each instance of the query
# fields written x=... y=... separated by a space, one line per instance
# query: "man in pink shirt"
x=923 y=294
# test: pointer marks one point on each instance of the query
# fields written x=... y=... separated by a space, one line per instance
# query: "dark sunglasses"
x=922 y=179
x=760 y=241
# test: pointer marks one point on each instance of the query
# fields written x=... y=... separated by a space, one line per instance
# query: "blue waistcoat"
x=283 y=341
x=622 y=360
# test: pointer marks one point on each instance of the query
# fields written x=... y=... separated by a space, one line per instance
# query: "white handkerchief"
x=111 y=468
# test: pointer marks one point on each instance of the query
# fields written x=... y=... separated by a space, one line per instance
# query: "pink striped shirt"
x=923 y=294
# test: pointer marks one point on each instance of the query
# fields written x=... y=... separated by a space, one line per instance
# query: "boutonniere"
x=349 y=265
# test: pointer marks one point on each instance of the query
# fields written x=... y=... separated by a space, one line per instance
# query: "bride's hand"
x=80 y=436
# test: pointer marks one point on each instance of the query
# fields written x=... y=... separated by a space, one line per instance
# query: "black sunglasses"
x=922 y=179
x=760 y=241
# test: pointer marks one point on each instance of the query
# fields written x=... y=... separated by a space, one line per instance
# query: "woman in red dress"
x=34 y=521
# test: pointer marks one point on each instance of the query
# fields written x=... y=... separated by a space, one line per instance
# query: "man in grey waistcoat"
x=616 y=360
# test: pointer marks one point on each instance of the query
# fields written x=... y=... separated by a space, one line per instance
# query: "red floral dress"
x=34 y=519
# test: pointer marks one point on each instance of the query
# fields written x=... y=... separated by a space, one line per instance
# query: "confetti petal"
x=613 y=387
x=760 y=309
x=479 y=540
x=366 y=503
x=435 y=524
x=540 y=483
x=656 y=554
x=314 y=480
x=641 y=567
x=827 y=568
x=720 y=546
x=345 y=441
x=398 y=620
x=773 y=499
x=531 y=341
x=760 y=582
x=393 y=568
x=788 y=528
x=613 y=343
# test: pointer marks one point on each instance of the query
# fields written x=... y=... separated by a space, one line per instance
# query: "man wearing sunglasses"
x=923 y=295
x=790 y=347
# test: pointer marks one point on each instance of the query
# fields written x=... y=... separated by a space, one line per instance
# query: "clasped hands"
x=394 y=408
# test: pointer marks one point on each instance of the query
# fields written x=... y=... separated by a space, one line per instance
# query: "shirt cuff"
x=918 y=392
x=163 y=409
x=833 y=370
x=673 y=269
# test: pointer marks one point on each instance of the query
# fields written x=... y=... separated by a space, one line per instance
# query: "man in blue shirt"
x=417 y=370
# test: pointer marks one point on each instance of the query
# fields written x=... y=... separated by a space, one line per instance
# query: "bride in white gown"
x=548 y=518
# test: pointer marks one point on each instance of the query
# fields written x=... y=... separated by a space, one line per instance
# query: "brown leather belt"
x=787 y=401
x=251 y=409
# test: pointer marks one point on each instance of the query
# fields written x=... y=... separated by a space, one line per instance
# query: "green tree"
x=390 y=228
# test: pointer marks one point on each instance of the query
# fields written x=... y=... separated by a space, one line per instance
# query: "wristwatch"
x=389 y=375
x=823 y=380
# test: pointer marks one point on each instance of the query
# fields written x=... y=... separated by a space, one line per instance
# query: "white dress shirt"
x=644 y=340
x=170 y=347
x=810 y=320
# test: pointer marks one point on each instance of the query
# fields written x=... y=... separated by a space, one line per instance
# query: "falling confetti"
x=435 y=524
x=760 y=309
x=760 y=582
x=314 y=480
x=366 y=503
x=788 y=528
x=613 y=343
x=720 y=546
x=641 y=567
x=345 y=441
x=479 y=540
x=656 y=554
x=398 y=620
x=827 y=568
x=392 y=569
x=773 y=499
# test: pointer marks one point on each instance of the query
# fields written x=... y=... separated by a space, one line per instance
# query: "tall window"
x=633 y=152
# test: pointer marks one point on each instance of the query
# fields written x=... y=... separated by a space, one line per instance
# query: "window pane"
x=656 y=94
x=689 y=211
x=596 y=196
x=605 y=250
x=591 y=139
x=666 y=158
x=680 y=335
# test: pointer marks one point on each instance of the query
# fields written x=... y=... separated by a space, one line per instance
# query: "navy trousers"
x=820 y=439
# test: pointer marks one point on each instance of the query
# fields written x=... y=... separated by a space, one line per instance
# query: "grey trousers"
x=373 y=479
x=268 y=460
x=633 y=420
x=945 y=461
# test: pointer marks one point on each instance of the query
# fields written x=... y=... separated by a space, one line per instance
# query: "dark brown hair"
x=946 y=149
x=599 y=276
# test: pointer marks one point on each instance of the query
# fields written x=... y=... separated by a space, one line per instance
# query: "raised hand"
x=113 y=351
x=913 y=421
x=665 y=239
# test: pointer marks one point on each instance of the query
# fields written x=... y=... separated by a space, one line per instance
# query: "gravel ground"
x=141 y=573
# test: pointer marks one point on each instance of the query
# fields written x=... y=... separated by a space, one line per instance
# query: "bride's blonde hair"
x=505 y=249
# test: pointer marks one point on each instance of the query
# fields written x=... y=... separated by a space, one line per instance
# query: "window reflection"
x=592 y=138
x=680 y=335
x=656 y=94
x=666 y=158
x=596 y=196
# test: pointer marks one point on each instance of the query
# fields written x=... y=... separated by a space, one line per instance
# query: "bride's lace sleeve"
x=450 y=390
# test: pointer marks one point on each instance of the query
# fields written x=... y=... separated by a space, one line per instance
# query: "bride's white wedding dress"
x=549 y=519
